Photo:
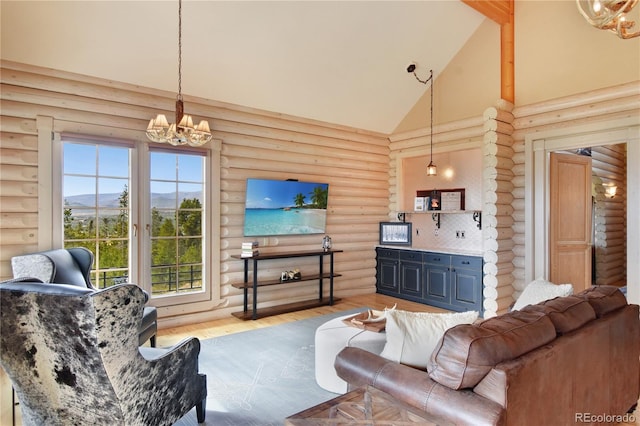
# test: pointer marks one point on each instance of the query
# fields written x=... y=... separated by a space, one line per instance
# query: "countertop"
x=444 y=251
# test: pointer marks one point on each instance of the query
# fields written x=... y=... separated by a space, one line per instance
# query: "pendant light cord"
x=431 y=127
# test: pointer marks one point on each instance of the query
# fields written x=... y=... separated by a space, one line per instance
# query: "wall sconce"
x=610 y=190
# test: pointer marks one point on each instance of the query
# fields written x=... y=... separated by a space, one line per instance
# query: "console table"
x=255 y=283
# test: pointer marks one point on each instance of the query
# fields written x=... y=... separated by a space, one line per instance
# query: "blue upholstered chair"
x=73 y=357
x=73 y=266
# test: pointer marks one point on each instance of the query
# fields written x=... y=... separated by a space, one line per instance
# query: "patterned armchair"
x=73 y=266
x=74 y=359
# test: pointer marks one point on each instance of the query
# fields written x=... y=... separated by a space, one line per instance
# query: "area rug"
x=260 y=377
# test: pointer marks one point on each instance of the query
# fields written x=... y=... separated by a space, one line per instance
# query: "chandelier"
x=610 y=15
x=183 y=131
x=432 y=170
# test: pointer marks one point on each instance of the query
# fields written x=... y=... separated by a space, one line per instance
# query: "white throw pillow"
x=412 y=336
x=539 y=291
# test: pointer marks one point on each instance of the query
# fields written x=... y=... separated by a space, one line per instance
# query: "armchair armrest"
x=414 y=387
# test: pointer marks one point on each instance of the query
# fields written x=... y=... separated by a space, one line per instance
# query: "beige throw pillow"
x=539 y=291
x=412 y=336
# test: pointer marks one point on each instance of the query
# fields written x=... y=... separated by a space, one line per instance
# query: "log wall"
x=497 y=219
x=254 y=143
x=360 y=167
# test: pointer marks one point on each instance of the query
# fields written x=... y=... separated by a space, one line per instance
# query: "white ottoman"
x=331 y=338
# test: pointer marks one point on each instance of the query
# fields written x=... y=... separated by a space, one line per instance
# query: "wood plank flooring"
x=221 y=327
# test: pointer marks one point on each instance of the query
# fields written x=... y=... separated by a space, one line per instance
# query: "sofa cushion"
x=540 y=290
x=567 y=313
x=467 y=353
x=412 y=336
x=604 y=299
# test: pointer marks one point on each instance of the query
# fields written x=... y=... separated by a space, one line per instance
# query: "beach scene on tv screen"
x=275 y=207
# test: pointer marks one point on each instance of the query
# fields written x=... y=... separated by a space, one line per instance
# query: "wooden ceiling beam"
x=496 y=10
x=501 y=11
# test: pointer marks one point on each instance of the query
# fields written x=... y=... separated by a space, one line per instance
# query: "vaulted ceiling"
x=343 y=62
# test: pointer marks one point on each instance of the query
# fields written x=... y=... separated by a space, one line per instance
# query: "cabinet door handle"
x=465 y=262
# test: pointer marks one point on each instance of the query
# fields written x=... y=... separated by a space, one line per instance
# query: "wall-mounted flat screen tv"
x=285 y=207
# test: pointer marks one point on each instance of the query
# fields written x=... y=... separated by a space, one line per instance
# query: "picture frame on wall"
x=395 y=233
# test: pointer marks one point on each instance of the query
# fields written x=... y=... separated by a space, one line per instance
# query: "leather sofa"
x=565 y=361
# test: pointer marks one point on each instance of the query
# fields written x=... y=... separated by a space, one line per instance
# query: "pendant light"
x=183 y=131
x=432 y=170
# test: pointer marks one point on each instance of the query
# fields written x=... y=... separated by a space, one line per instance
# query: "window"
x=96 y=211
x=177 y=190
x=142 y=211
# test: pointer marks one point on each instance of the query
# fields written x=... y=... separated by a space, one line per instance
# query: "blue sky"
x=112 y=164
x=273 y=194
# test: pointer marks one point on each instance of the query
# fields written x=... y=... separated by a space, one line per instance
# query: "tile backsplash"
x=458 y=232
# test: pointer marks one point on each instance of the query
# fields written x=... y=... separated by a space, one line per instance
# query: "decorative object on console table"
x=294 y=275
x=396 y=233
x=326 y=243
x=249 y=249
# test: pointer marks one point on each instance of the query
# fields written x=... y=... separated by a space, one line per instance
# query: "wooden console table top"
x=363 y=406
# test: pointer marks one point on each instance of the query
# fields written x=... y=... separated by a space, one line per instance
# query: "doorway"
x=570 y=219
x=538 y=148
x=591 y=217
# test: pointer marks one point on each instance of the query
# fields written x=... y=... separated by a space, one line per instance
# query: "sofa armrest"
x=414 y=387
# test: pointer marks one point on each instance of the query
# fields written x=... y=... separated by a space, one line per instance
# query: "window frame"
x=50 y=145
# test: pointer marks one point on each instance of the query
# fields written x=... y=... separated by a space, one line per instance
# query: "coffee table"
x=363 y=406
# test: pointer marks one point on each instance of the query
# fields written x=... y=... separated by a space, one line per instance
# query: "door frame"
x=538 y=147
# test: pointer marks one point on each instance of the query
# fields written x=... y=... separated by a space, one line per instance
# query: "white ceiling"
x=342 y=62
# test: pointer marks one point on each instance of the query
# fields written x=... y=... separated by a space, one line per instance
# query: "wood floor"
x=232 y=324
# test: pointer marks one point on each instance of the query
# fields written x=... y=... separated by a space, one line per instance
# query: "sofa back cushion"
x=466 y=353
x=604 y=299
x=566 y=313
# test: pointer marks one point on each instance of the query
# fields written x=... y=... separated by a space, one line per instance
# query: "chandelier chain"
x=183 y=131
x=179 y=49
